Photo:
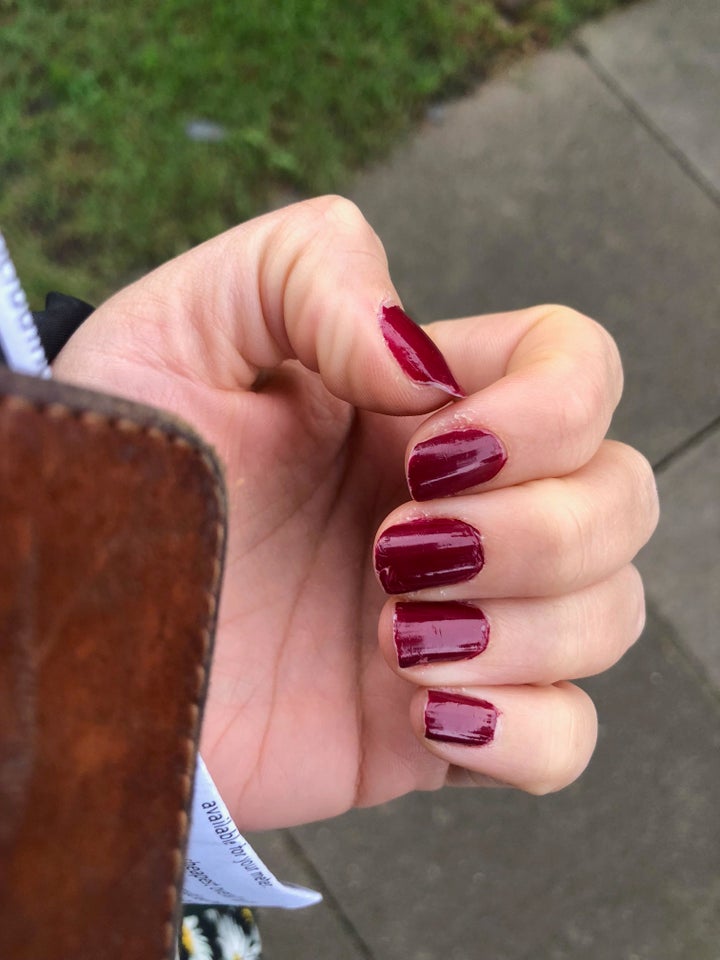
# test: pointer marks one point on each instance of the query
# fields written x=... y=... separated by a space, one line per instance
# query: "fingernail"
x=438 y=632
x=417 y=355
x=452 y=462
x=453 y=718
x=428 y=552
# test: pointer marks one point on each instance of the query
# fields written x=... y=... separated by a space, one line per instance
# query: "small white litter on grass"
x=205 y=131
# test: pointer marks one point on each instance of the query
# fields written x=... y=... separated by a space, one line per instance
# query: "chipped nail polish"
x=415 y=352
x=455 y=718
x=438 y=632
x=454 y=461
x=427 y=552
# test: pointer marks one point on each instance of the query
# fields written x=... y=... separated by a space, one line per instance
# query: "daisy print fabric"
x=219 y=933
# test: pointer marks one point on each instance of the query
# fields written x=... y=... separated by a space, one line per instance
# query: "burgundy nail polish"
x=413 y=349
x=452 y=462
x=438 y=632
x=454 y=718
x=427 y=552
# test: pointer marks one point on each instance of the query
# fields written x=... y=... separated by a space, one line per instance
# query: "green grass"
x=98 y=179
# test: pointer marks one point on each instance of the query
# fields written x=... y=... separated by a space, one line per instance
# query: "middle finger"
x=542 y=538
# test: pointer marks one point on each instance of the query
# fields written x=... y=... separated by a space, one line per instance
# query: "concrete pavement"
x=589 y=175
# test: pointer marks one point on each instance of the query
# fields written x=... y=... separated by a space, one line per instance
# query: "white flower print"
x=194 y=940
x=235 y=943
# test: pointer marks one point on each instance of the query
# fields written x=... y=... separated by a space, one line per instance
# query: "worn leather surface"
x=111 y=535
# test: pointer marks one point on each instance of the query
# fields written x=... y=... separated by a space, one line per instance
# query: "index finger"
x=543 y=384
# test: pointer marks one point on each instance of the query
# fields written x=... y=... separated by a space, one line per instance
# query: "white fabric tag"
x=19 y=338
x=222 y=867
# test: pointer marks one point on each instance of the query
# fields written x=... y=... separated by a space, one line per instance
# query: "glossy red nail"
x=454 y=718
x=438 y=632
x=452 y=462
x=417 y=355
x=428 y=552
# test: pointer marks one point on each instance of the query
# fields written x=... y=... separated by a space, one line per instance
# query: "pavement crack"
x=694 y=440
x=333 y=904
x=656 y=132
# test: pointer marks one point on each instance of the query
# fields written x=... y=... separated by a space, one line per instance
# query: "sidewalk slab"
x=665 y=56
x=543 y=187
x=681 y=564
x=626 y=863
x=308 y=934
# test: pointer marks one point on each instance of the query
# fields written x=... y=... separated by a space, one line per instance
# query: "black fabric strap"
x=59 y=321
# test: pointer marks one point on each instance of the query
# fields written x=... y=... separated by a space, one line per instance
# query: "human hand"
x=267 y=340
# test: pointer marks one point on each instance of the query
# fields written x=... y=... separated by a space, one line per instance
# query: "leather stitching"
x=96 y=421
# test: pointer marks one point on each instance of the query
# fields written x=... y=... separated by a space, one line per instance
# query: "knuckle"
x=612 y=618
x=606 y=348
x=572 y=627
x=575 y=534
x=334 y=218
x=577 y=405
x=636 y=594
x=588 y=373
x=578 y=626
x=565 y=550
x=628 y=614
x=643 y=488
x=320 y=217
x=647 y=488
x=571 y=737
x=599 y=342
x=340 y=211
x=581 y=402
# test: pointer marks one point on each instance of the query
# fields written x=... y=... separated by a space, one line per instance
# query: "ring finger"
x=523 y=641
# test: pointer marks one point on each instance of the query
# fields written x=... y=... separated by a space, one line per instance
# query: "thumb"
x=308 y=282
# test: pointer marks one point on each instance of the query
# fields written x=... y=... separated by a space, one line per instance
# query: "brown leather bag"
x=112 y=524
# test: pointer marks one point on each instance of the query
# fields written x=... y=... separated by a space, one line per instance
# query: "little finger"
x=538 y=739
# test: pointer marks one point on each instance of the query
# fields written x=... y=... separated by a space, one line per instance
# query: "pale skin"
x=266 y=340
